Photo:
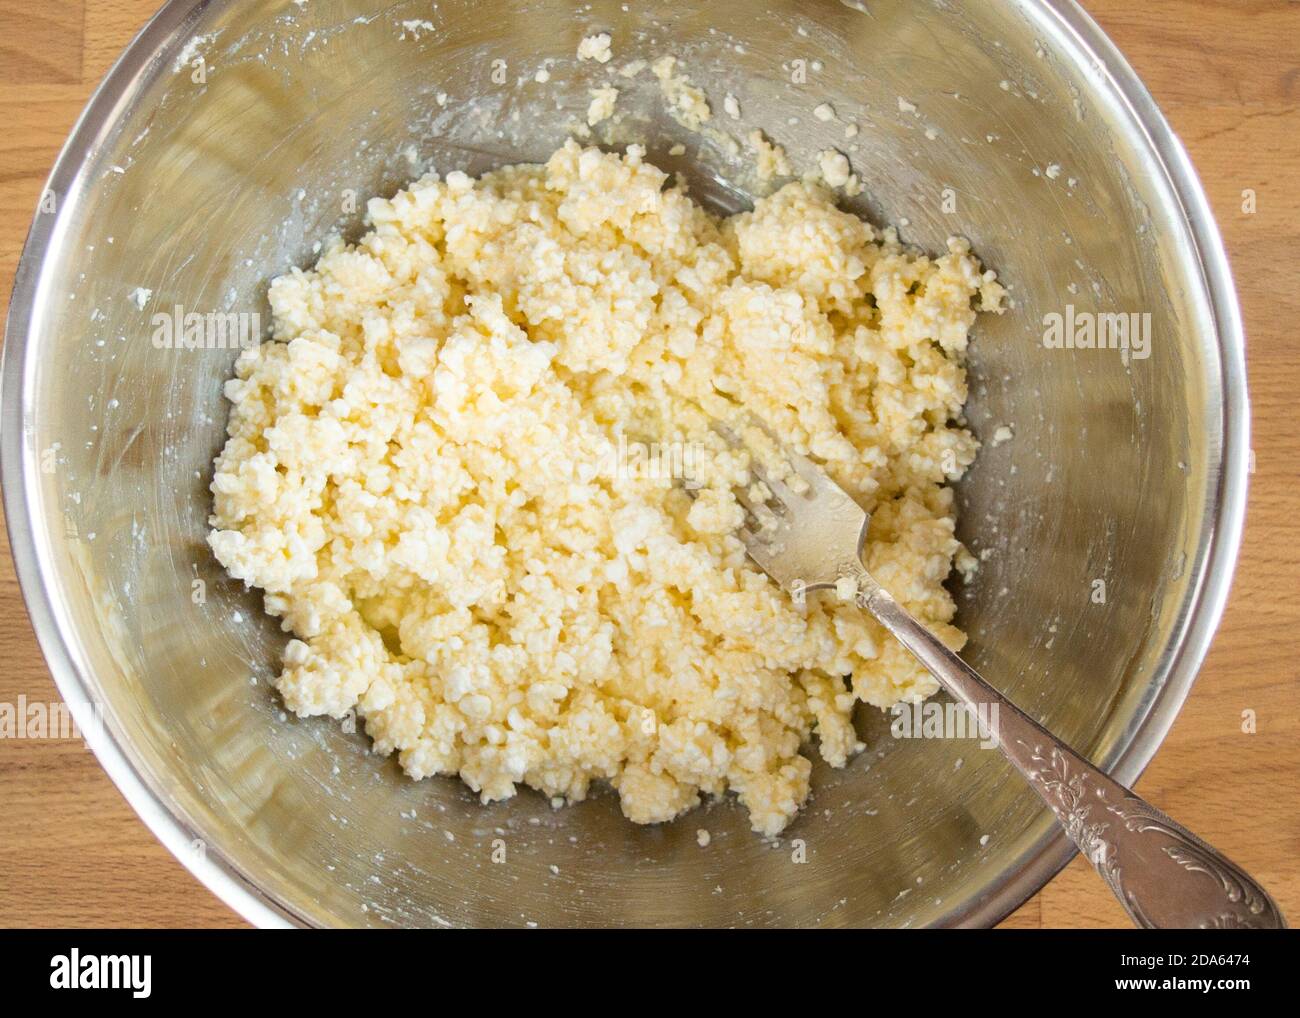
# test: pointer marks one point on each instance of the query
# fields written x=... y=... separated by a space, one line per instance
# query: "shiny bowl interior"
x=233 y=136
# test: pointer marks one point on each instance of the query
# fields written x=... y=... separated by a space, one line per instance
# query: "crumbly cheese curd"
x=428 y=474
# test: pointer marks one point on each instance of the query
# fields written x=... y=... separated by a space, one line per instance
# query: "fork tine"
x=816 y=530
x=762 y=514
x=810 y=472
x=780 y=490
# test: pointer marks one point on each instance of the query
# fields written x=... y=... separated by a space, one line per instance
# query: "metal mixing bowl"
x=202 y=180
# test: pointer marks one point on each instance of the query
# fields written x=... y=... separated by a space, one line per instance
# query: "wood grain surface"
x=1227 y=74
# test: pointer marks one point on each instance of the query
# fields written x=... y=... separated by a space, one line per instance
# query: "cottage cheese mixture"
x=433 y=473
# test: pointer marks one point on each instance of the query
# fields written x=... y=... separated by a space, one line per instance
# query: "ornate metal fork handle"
x=1163 y=875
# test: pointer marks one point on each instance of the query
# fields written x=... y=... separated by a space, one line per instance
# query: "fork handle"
x=1163 y=875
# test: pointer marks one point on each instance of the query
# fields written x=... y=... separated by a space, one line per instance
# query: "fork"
x=809 y=535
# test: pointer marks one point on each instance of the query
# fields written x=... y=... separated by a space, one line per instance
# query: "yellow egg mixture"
x=428 y=474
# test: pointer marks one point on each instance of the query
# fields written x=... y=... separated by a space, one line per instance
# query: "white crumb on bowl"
x=770 y=159
x=837 y=172
x=602 y=105
x=140 y=296
x=686 y=103
x=190 y=51
x=415 y=28
x=834 y=166
x=595 y=47
x=825 y=113
x=702 y=838
x=732 y=106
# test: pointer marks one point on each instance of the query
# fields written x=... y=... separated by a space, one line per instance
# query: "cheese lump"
x=430 y=472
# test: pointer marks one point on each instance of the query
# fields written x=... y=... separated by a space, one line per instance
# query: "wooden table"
x=72 y=852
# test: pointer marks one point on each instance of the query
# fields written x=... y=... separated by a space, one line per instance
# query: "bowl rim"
x=152 y=51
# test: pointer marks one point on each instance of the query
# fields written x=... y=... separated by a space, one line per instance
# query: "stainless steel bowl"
x=232 y=136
